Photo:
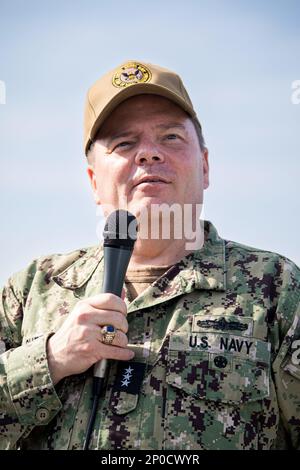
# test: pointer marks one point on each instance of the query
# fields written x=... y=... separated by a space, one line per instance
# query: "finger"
x=102 y=318
x=115 y=319
x=113 y=352
x=123 y=294
x=107 y=302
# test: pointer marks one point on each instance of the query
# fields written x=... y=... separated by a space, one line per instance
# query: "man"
x=205 y=353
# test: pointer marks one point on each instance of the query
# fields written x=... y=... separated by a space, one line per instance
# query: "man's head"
x=127 y=80
x=147 y=130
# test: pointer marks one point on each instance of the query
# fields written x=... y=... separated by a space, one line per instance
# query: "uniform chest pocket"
x=218 y=377
x=215 y=397
x=220 y=368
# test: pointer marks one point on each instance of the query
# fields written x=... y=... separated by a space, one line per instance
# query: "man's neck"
x=160 y=252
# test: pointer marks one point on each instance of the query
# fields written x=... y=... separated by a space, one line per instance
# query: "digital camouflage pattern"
x=214 y=367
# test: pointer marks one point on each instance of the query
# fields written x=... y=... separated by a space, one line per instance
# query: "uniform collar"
x=79 y=272
x=203 y=269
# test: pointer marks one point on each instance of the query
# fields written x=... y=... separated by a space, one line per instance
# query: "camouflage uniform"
x=215 y=362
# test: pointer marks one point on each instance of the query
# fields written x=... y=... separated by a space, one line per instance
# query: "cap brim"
x=134 y=90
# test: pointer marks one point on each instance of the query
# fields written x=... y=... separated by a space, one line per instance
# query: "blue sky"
x=238 y=60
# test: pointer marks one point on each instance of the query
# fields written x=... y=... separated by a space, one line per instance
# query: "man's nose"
x=148 y=154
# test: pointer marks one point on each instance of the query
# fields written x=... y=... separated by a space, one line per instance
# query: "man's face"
x=147 y=152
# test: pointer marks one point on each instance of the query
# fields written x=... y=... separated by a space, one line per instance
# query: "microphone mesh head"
x=120 y=229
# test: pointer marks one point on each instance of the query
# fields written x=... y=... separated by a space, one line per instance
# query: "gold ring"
x=108 y=333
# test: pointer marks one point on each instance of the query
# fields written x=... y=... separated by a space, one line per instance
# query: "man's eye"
x=123 y=144
x=172 y=136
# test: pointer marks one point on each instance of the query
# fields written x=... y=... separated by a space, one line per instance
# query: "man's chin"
x=147 y=204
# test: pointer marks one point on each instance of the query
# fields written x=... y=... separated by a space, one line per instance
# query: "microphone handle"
x=116 y=263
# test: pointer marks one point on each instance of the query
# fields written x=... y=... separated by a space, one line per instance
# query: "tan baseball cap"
x=130 y=79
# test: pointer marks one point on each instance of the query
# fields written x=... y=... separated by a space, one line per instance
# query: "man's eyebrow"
x=118 y=135
x=171 y=125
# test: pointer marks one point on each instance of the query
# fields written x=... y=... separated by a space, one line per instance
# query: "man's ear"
x=205 y=169
x=93 y=181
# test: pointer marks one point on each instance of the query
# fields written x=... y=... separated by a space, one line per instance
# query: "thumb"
x=123 y=294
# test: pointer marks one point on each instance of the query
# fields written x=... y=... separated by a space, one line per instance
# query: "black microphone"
x=120 y=233
x=119 y=237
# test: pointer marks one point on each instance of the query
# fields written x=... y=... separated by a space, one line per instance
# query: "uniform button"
x=220 y=361
x=42 y=414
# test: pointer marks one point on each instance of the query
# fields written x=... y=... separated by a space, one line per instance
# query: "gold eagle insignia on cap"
x=131 y=73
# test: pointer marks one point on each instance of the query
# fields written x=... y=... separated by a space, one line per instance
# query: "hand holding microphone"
x=78 y=344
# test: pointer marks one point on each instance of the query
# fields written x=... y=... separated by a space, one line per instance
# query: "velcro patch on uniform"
x=218 y=343
x=130 y=376
x=221 y=362
x=242 y=326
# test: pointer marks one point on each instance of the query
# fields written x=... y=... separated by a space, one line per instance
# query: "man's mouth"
x=151 y=179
